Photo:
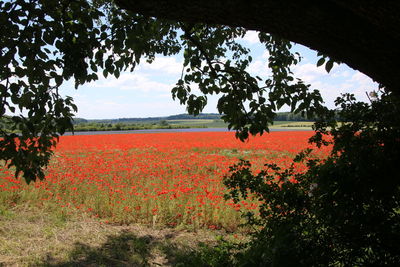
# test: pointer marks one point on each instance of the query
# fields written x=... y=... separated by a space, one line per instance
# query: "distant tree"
x=118 y=126
x=163 y=123
x=78 y=120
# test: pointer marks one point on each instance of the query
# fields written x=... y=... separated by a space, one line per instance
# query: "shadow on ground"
x=127 y=249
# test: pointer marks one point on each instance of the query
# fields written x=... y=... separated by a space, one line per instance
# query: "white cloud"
x=360 y=78
x=251 y=37
x=100 y=109
x=265 y=54
x=167 y=65
x=159 y=76
x=136 y=81
x=340 y=80
x=143 y=83
x=309 y=72
x=344 y=74
x=259 y=68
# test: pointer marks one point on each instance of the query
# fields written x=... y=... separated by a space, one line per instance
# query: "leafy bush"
x=345 y=209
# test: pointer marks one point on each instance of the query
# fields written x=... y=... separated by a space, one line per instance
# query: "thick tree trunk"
x=363 y=34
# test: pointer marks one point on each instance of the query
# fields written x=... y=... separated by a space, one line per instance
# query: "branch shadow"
x=128 y=249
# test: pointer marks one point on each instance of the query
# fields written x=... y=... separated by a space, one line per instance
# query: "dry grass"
x=30 y=237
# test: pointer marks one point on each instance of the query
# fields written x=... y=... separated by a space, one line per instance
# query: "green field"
x=204 y=123
x=293 y=125
x=199 y=123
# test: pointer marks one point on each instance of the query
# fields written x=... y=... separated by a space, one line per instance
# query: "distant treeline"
x=281 y=116
x=96 y=126
x=288 y=116
x=202 y=116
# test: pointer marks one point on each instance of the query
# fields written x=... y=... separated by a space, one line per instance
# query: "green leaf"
x=329 y=65
x=321 y=61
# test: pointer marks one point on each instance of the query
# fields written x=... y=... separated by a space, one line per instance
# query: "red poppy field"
x=168 y=179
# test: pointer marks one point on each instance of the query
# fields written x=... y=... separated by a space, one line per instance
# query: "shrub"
x=344 y=210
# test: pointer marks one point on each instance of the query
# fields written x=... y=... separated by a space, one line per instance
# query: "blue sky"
x=147 y=91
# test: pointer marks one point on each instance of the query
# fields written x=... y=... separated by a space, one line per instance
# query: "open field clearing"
x=293 y=125
x=218 y=123
x=194 y=121
x=109 y=185
x=207 y=123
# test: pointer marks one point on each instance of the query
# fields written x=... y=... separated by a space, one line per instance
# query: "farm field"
x=158 y=181
x=218 y=123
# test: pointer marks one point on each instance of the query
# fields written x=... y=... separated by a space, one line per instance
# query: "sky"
x=146 y=92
